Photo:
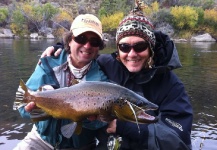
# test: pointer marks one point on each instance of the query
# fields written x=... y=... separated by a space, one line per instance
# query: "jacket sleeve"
x=173 y=129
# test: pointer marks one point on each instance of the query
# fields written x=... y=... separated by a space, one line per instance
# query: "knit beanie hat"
x=136 y=24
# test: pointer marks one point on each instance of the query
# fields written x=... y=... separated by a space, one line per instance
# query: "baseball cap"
x=86 y=22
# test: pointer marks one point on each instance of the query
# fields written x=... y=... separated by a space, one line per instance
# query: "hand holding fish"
x=30 y=106
x=112 y=126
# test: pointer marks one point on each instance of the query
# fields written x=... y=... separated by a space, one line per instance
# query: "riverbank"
x=6 y=33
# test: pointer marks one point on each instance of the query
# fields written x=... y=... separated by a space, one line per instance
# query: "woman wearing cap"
x=143 y=62
x=78 y=62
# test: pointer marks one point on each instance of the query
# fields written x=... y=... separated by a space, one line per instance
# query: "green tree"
x=3 y=15
x=39 y=15
x=18 y=23
x=110 y=23
x=205 y=4
x=210 y=18
x=184 y=17
x=200 y=13
x=109 y=7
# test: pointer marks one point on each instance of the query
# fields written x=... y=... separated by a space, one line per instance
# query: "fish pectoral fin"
x=68 y=130
x=38 y=115
x=124 y=114
x=119 y=116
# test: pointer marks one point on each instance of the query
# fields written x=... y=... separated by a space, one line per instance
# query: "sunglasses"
x=137 y=47
x=93 y=41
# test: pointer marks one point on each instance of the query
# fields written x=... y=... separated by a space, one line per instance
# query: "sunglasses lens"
x=82 y=39
x=137 y=47
x=124 y=47
x=141 y=46
x=95 y=42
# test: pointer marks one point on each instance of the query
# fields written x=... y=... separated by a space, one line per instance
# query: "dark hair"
x=67 y=37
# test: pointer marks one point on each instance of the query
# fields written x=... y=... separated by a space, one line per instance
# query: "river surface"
x=199 y=74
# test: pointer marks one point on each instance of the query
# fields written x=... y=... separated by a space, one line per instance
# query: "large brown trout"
x=103 y=99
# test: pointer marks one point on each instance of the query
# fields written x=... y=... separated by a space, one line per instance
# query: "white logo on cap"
x=90 y=21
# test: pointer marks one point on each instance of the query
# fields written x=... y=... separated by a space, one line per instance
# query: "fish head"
x=133 y=107
x=127 y=111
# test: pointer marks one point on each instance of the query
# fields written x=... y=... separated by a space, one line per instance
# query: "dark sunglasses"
x=82 y=39
x=137 y=47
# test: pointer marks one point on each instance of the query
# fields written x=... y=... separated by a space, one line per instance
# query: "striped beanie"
x=136 y=24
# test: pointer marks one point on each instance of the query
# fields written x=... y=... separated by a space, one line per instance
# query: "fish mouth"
x=140 y=112
x=143 y=117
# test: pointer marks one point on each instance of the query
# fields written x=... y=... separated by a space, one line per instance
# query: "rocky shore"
x=6 y=33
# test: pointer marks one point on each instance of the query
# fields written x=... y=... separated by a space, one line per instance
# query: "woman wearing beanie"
x=143 y=62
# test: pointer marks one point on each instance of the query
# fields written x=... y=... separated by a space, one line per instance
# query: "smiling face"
x=82 y=54
x=134 y=61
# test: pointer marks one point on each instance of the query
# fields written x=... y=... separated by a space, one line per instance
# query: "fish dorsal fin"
x=68 y=130
x=110 y=81
x=74 y=81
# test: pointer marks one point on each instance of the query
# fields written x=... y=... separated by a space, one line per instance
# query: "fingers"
x=30 y=106
x=39 y=62
x=48 y=52
x=57 y=53
x=112 y=127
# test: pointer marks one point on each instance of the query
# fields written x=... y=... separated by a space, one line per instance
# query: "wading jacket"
x=52 y=72
x=162 y=87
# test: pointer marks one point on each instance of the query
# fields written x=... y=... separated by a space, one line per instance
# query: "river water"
x=19 y=57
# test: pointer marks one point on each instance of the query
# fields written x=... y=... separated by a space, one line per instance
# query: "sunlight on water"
x=203 y=136
x=11 y=134
x=4 y=140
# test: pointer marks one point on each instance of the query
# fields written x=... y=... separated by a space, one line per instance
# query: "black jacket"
x=162 y=87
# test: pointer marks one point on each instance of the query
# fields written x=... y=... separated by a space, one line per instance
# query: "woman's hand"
x=50 y=52
x=112 y=126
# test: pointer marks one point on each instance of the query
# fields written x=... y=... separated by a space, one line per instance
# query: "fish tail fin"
x=36 y=114
x=23 y=86
x=21 y=93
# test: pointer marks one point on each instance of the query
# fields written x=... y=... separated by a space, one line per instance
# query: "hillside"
x=56 y=17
